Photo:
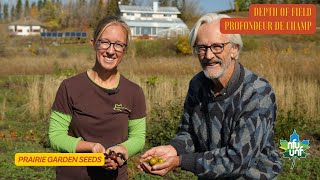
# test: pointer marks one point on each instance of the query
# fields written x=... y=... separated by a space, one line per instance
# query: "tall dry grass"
x=294 y=76
x=30 y=65
x=41 y=94
x=3 y=109
x=33 y=105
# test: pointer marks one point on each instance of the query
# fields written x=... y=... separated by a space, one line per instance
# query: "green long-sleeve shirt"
x=61 y=141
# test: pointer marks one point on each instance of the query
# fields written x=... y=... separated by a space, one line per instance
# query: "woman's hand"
x=97 y=148
x=109 y=164
x=117 y=157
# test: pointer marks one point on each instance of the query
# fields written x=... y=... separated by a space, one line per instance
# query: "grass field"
x=30 y=76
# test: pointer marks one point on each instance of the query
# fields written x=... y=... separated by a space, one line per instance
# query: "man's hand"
x=163 y=168
x=163 y=152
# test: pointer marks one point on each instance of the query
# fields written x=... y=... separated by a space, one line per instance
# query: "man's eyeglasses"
x=104 y=45
x=216 y=48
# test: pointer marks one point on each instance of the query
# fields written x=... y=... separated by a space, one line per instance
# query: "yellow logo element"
x=119 y=107
x=59 y=159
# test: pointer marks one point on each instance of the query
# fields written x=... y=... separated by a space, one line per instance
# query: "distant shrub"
x=147 y=48
x=64 y=54
x=249 y=43
x=163 y=123
x=288 y=121
x=183 y=46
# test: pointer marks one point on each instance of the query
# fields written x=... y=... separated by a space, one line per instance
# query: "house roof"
x=155 y=22
x=148 y=9
x=27 y=21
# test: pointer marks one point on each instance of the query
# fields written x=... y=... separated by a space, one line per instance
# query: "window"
x=130 y=14
x=146 y=15
x=167 y=15
x=138 y=32
x=146 y=30
x=154 y=32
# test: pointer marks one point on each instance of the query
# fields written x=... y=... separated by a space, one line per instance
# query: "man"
x=226 y=129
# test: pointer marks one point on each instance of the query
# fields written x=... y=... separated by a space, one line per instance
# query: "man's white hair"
x=235 y=39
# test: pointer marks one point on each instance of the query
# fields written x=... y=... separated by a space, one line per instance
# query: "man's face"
x=215 y=61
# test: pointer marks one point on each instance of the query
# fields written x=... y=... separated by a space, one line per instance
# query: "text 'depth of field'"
x=273 y=19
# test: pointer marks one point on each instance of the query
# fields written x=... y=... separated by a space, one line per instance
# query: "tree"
x=125 y=2
x=48 y=15
x=174 y=3
x=164 y=3
x=13 y=13
x=40 y=5
x=189 y=11
x=34 y=10
x=26 y=8
x=113 y=8
x=80 y=16
x=19 y=9
x=297 y=2
x=243 y=5
x=6 y=12
x=133 y=3
x=236 y=5
x=96 y=14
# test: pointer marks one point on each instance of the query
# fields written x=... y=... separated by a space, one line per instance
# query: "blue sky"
x=215 y=5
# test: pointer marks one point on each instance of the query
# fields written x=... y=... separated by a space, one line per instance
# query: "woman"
x=100 y=110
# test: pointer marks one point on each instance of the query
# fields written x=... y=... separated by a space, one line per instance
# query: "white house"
x=25 y=27
x=153 y=22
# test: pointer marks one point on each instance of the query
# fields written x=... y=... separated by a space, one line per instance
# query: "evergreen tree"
x=164 y=3
x=243 y=5
x=174 y=3
x=19 y=9
x=297 y=2
x=13 y=13
x=40 y=5
x=5 y=12
x=125 y=2
x=26 y=8
x=113 y=8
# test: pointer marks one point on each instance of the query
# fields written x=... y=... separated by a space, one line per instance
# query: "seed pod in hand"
x=112 y=155
x=160 y=161
x=153 y=161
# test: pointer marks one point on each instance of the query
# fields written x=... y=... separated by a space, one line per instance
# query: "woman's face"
x=111 y=46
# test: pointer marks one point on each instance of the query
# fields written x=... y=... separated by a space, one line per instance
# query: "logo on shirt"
x=294 y=148
x=120 y=108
